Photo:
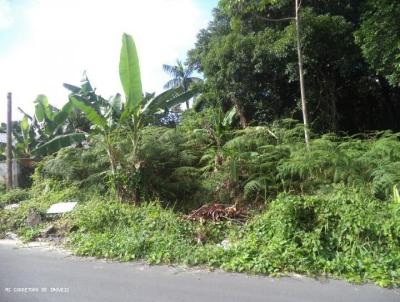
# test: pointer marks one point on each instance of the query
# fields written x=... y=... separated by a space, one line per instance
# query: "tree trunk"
x=185 y=88
x=333 y=104
x=301 y=76
x=242 y=118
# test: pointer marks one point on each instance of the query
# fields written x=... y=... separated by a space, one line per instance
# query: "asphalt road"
x=40 y=274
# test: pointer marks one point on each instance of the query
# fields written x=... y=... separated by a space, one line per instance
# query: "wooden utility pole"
x=9 y=142
x=301 y=75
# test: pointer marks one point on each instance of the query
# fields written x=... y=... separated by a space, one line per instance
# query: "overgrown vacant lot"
x=331 y=211
x=282 y=157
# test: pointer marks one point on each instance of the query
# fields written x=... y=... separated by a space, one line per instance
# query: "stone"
x=33 y=218
x=11 y=236
x=11 y=207
x=48 y=230
x=225 y=244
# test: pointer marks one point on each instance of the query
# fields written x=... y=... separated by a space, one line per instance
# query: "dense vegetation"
x=137 y=165
x=351 y=62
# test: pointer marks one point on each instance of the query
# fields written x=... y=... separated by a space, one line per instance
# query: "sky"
x=45 y=43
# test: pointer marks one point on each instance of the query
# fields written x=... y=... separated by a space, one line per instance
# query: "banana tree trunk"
x=113 y=166
x=135 y=140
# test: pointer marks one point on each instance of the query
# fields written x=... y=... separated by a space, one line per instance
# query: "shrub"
x=346 y=233
x=14 y=196
x=114 y=230
x=85 y=167
x=120 y=231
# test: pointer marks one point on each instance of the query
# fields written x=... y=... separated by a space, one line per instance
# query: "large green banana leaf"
x=129 y=72
x=181 y=98
x=59 y=142
x=61 y=116
x=91 y=114
x=42 y=108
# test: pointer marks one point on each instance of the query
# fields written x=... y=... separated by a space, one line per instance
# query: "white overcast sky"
x=44 y=43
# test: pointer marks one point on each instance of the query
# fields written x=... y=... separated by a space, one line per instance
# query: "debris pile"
x=218 y=212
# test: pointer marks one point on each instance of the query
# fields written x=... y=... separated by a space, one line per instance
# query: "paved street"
x=40 y=274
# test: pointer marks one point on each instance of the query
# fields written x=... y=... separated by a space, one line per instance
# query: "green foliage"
x=340 y=230
x=111 y=118
x=39 y=198
x=84 y=167
x=46 y=132
x=92 y=115
x=204 y=161
x=379 y=39
x=369 y=163
x=129 y=72
x=345 y=233
x=119 y=231
x=181 y=79
x=59 y=142
x=169 y=166
x=14 y=196
x=332 y=209
x=113 y=230
x=248 y=52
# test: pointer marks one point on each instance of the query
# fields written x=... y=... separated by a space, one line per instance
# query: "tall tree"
x=379 y=38
x=243 y=53
x=181 y=77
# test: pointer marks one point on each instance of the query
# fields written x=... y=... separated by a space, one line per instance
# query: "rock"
x=11 y=236
x=11 y=207
x=33 y=218
x=48 y=230
x=225 y=244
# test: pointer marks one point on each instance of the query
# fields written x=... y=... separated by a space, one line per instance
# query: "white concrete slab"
x=61 y=207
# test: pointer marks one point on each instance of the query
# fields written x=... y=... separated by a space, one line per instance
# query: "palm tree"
x=181 y=77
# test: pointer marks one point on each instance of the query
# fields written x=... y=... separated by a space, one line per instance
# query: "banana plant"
x=108 y=115
x=25 y=138
x=46 y=131
x=217 y=130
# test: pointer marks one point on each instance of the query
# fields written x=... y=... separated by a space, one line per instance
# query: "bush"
x=81 y=166
x=114 y=230
x=372 y=163
x=14 y=196
x=346 y=234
